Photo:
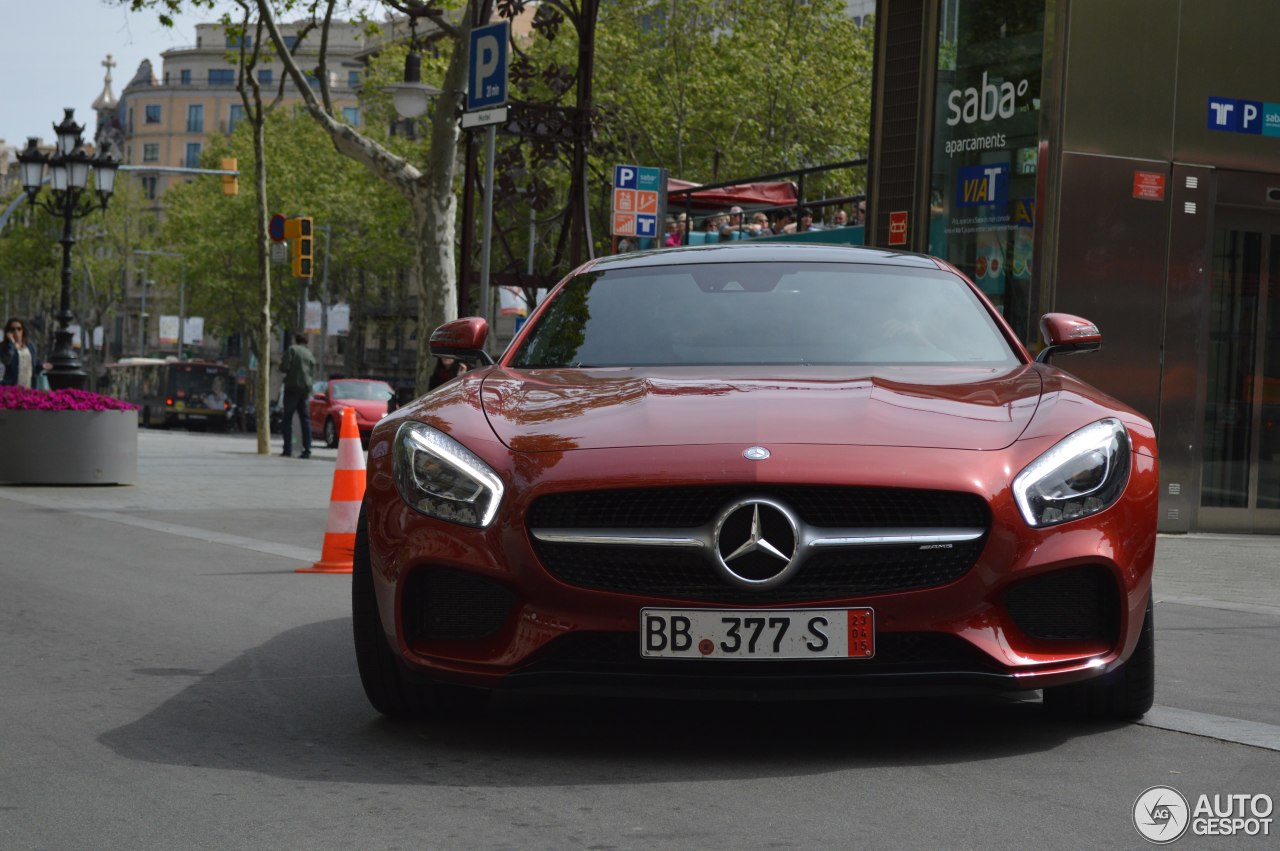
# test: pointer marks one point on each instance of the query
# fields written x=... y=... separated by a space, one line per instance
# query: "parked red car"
x=367 y=396
x=761 y=470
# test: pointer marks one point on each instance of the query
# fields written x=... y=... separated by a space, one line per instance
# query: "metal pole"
x=324 y=302
x=182 y=308
x=533 y=237
x=66 y=372
x=486 y=297
x=146 y=284
x=142 y=312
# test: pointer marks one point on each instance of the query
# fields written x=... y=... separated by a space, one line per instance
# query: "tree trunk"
x=430 y=193
x=434 y=213
x=263 y=377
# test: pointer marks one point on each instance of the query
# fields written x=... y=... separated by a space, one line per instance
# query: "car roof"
x=766 y=252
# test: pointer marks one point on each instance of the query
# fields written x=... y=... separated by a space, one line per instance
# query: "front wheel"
x=330 y=433
x=1125 y=694
x=381 y=674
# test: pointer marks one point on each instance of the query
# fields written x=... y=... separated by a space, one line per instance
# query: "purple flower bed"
x=26 y=399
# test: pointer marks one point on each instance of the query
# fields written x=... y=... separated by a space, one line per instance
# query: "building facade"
x=168 y=119
x=1120 y=161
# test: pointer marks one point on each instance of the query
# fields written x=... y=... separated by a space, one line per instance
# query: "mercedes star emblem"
x=755 y=453
x=757 y=543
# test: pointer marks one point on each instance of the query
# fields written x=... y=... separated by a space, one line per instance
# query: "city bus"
x=172 y=392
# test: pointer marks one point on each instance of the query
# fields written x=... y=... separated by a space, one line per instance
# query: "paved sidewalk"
x=1238 y=572
x=211 y=487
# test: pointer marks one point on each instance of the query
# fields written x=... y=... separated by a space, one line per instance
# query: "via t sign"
x=487 y=66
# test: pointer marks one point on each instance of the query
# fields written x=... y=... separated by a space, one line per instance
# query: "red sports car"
x=366 y=396
x=769 y=470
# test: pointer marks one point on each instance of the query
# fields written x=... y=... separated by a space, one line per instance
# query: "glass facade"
x=986 y=140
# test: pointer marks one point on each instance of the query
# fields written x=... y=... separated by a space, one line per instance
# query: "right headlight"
x=1082 y=474
x=438 y=476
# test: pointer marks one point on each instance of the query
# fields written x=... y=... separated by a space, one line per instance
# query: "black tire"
x=330 y=433
x=1125 y=694
x=381 y=673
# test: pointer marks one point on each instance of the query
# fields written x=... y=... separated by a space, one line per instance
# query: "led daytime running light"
x=414 y=437
x=1061 y=501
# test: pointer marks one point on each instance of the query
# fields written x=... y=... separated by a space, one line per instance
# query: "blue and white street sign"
x=1237 y=116
x=637 y=177
x=487 y=66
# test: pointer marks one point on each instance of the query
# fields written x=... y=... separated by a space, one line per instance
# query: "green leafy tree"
x=306 y=176
x=428 y=191
x=706 y=89
x=31 y=261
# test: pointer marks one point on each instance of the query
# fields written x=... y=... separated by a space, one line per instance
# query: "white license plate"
x=757 y=633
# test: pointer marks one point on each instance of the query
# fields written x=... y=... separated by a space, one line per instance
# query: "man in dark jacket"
x=299 y=368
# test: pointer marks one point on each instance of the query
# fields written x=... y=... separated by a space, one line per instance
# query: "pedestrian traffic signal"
x=298 y=231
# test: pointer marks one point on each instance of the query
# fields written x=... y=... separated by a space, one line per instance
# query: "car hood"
x=948 y=407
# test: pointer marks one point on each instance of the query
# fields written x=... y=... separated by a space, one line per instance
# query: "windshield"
x=763 y=313
x=375 y=391
x=206 y=385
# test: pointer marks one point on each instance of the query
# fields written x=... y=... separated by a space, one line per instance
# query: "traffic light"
x=230 y=182
x=298 y=231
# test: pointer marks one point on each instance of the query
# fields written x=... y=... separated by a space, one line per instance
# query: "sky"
x=51 y=54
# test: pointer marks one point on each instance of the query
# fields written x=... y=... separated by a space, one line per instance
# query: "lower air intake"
x=441 y=604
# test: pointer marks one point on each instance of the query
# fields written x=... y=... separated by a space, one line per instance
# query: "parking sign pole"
x=486 y=106
x=486 y=233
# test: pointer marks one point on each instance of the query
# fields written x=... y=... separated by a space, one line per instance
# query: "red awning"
x=747 y=195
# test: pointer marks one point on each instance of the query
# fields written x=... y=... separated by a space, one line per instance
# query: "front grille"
x=441 y=604
x=689 y=575
x=687 y=507
x=896 y=652
x=1075 y=604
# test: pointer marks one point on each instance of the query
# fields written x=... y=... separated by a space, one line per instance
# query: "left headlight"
x=439 y=477
x=1082 y=474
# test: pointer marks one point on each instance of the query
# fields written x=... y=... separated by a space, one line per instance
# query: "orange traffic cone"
x=344 y=502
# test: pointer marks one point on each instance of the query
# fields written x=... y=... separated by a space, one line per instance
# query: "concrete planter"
x=68 y=447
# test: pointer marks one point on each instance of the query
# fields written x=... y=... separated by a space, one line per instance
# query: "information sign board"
x=637 y=200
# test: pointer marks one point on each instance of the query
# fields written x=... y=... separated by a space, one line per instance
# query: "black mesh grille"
x=619 y=652
x=450 y=605
x=689 y=575
x=1077 y=604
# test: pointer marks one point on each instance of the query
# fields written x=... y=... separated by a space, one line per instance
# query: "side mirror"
x=1067 y=334
x=462 y=339
x=320 y=397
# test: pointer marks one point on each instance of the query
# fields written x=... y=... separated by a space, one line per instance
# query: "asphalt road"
x=168 y=681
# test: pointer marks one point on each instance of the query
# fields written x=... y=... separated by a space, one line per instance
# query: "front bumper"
x=550 y=635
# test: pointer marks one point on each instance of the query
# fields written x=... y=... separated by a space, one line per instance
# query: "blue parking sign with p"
x=487 y=66
x=625 y=176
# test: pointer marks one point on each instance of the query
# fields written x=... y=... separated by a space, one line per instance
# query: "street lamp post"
x=69 y=168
